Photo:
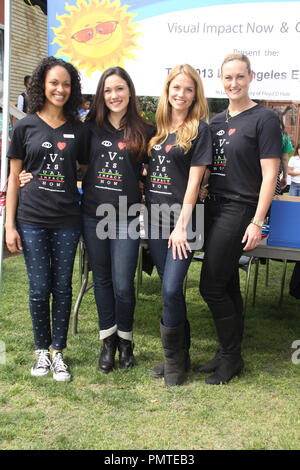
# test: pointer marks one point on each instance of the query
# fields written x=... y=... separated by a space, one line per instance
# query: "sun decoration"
x=96 y=35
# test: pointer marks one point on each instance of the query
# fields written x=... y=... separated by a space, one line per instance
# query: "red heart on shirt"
x=61 y=145
x=121 y=145
x=168 y=148
x=231 y=131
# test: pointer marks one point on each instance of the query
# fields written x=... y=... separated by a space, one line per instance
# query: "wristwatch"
x=259 y=223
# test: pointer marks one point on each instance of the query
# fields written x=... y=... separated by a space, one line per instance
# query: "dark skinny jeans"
x=225 y=225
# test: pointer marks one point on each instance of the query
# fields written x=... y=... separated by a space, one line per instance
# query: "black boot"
x=173 y=342
x=158 y=371
x=231 y=362
x=107 y=354
x=209 y=366
x=126 y=357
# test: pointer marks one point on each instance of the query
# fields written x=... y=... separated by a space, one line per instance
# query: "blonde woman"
x=178 y=156
x=247 y=150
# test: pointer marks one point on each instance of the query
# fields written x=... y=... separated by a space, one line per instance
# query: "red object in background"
x=2 y=12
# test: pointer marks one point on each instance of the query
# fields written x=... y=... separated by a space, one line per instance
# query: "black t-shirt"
x=169 y=168
x=112 y=172
x=51 y=199
x=238 y=147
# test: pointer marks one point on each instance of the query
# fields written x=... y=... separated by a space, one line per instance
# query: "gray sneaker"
x=42 y=364
x=60 y=369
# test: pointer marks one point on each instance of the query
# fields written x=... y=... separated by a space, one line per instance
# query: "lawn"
x=128 y=410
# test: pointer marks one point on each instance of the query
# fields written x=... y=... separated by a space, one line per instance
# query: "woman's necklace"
x=174 y=128
x=235 y=113
x=52 y=121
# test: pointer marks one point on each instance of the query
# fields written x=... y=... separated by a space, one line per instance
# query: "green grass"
x=130 y=410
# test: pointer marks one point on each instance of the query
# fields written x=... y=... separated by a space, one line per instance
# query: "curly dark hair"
x=36 y=93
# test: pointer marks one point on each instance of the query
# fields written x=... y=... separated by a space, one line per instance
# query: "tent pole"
x=5 y=128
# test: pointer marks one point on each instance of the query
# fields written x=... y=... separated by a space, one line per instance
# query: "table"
x=264 y=250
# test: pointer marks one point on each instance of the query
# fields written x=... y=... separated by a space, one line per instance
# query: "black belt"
x=217 y=198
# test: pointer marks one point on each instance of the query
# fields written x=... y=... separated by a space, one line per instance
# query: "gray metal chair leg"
x=81 y=293
x=247 y=283
x=282 y=281
x=255 y=283
x=267 y=271
x=139 y=272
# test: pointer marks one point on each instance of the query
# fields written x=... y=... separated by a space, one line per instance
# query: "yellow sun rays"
x=96 y=35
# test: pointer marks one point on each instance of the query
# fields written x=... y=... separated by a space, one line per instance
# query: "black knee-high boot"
x=211 y=365
x=231 y=362
x=173 y=342
x=158 y=371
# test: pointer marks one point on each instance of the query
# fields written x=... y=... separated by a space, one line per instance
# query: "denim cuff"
x=125 y=335
x=106 y=333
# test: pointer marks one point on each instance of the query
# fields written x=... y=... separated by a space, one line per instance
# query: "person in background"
x=294 y=172
x=43 y=218
x=178 y=155
x=247 y=150
x=22 y=104
x=287 y=147
x=84 y=108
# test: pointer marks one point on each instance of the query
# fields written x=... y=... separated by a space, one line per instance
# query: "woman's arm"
x=178 y=238
x=292 y=172
x=13 y=240
x=269 y=167
x=25 y=177
x=203 y=193
x=284 y=162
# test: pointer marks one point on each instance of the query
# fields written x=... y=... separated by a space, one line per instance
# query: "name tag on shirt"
x=69 y=136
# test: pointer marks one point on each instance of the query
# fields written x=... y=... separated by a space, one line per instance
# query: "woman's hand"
x=13 y=240
x=178 y=242
x=24 y=178
x=252 y=237
x=203 y=193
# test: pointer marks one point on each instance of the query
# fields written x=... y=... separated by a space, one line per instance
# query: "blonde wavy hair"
x=237 y=56
x=188 y=130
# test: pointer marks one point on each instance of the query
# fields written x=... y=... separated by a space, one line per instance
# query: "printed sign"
x=149 y=37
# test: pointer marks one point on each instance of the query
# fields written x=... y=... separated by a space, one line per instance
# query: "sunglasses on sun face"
x=87 y=34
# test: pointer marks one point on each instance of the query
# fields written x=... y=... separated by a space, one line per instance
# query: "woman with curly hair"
x=43 y=218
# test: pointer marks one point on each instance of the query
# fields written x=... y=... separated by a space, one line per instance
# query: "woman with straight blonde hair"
x=247 y=149
x=179 y=154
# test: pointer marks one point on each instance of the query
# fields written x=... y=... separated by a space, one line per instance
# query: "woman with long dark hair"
x=119 y=138
x=43 y=218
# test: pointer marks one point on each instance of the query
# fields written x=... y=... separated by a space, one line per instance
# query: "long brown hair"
x=132 y=123
x=198 y=111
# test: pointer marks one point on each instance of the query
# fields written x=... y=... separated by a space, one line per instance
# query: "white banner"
x=149 y=37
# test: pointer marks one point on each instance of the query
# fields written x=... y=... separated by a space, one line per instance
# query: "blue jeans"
x=113 y=262
x=294 y=189
x=172 y=274
x=49 y=256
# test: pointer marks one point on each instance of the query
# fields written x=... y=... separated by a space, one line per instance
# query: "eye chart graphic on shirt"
x=110 y=176
x=52 y=176
x=219 y=166
x=160 y=180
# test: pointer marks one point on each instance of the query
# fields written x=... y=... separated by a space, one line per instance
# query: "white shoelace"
x=43 y=360
x=58 y=363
